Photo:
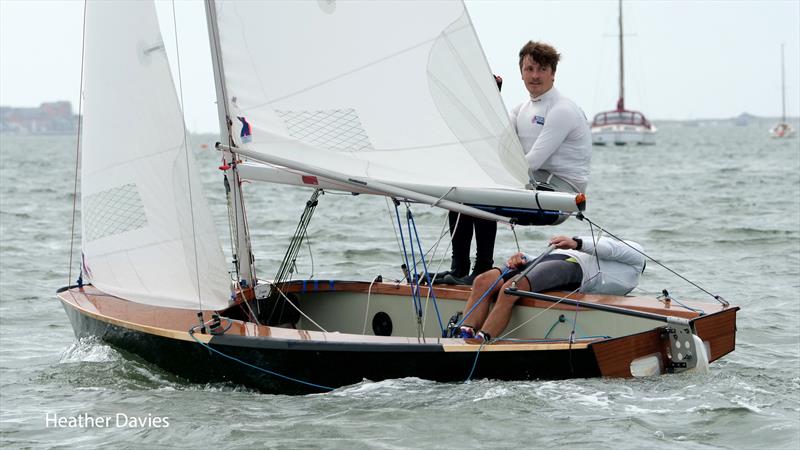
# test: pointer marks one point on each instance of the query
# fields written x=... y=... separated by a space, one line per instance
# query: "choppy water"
x=717 y=204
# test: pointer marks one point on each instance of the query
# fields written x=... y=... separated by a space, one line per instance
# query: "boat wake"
x=389 y=387
x=88 y=349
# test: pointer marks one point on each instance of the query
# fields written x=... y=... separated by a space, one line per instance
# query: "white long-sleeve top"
x=555 y=136
x=620 y=266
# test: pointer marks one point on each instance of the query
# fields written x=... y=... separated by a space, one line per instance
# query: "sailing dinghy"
x=378 y=116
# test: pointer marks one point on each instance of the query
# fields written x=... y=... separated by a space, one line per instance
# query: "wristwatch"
x=579 y=241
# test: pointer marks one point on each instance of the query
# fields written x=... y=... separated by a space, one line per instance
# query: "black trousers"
x=485 y=233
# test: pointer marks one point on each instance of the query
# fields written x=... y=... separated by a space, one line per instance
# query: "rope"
x=427 y=275
x=560 y=319
x=514 y=232
x=310 y=254
x=286 y=300
x=366 y=311
x=417 y=307
x=438 y=266
x=186 y=157
x=475 y=362
x=77 y=154
x=714 y=296
x=260 y=369
x=665 y=296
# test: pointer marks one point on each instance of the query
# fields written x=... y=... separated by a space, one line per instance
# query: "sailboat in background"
x=154 y=280
x=622 y=126
x=782 y=129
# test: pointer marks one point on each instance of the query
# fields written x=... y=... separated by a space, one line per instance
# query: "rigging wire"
x=77 y=156
x=435 y=246
x=426 y=274
x=716 y=297
x=434 y=249
x=186 y=157
x=391 y=220
x=261 y=369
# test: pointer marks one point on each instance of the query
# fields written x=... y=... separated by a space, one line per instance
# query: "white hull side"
x=352 y=313
x=623 y=135
x=782 y=130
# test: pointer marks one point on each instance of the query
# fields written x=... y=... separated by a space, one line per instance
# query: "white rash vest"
x=609 y=266
x=555 y=136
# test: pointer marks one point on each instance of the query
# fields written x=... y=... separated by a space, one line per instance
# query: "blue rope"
x=702 y=313
x=475 y=363
x=415 y=291
x=405 y=256
x=191 y=333
x=502 y=274
x=427 y=274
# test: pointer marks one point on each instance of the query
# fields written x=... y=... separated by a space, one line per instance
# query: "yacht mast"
x=783 y=89
x=243 y=258
x=621 y=101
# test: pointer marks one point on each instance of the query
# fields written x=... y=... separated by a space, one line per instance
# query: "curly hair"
x=541 y=53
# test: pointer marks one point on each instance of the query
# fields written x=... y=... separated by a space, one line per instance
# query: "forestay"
x=144 y=229
x=398 y=92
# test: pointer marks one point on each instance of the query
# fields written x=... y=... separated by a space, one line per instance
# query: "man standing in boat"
x=605 y=266
x=552 y=129
x=557 y=142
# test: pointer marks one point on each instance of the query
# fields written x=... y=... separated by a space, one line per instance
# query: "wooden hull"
x=331 y=360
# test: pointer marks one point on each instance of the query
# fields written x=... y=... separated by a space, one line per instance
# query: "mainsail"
x=392 y=91
x=148 y=235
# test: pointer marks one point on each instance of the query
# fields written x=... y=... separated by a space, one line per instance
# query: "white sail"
x=389 y=90
x=147 y=236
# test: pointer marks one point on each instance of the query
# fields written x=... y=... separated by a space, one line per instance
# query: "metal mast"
x=621 y=101
x=783 y=89
x=243 y=257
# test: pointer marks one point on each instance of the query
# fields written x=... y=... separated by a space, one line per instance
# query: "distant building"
x=49 y=118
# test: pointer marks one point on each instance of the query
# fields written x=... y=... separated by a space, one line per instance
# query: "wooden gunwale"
x=174 y=323
x=403 y=290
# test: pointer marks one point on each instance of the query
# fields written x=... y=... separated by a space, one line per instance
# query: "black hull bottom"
x=329 y=364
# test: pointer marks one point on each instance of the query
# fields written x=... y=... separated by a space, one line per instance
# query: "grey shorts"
x=553 y=273
x=546 y=181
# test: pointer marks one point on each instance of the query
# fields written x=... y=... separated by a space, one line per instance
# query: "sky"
x=684 y=59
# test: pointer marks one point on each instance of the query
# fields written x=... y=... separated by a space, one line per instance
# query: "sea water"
x=718 y=204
